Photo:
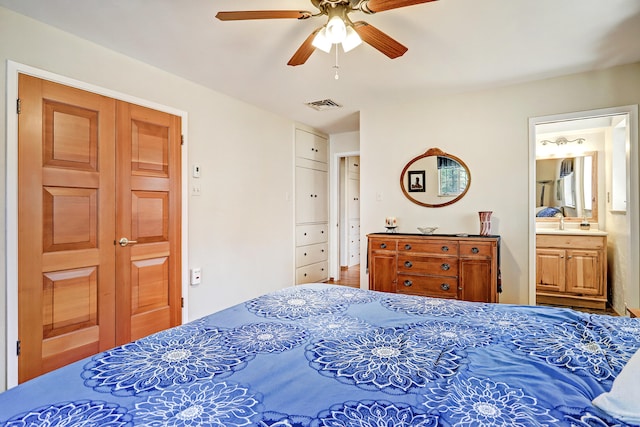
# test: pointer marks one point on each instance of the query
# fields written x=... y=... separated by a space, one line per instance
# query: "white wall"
x=241 y=236
x=489 y=131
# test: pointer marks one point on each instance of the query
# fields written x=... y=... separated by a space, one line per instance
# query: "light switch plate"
x=196 y=276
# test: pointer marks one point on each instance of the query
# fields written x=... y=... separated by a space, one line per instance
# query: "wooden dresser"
x=571 y=269
x=441 y=266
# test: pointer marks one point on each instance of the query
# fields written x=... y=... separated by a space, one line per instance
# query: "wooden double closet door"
x=99 y=224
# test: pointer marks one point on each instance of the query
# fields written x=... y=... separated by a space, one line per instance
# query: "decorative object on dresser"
x=571 y=269
x=441 y=266
x=312 y=207
x=427 y=230
x=485 y=222
x=435 y=179
x=391 y=223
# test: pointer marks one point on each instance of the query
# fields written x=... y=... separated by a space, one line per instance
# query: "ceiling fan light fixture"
x=336 y=30
x=320 y=41
x=351 y=41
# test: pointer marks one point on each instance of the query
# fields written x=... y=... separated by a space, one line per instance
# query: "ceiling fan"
x=339 y=28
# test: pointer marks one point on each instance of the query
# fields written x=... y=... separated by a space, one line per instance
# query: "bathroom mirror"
x=435 y=179
x=567 y=187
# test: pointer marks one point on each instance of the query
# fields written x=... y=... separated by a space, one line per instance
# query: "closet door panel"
x=148 y=261
x=66 y=222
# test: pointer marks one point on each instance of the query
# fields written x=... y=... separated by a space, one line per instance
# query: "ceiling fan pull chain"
x=336 y=67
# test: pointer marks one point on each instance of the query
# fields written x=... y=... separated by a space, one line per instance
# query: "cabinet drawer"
x=479 y=249
x=431 y=286
x=311 y=234
x=436 y=247
x=570 y=241
x=312 y=273
x=354 y=227
x=443 y=266
x=383 y=244
x=311 y=254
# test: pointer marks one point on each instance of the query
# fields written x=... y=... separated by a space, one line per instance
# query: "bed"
x=327 y=355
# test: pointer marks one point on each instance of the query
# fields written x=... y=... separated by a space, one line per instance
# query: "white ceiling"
x=454 y=46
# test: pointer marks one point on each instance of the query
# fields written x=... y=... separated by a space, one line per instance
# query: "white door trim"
x=11 y=202
x=334 y=213
x=633 y=190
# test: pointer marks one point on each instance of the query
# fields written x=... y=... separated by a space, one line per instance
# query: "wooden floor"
x=348 y=277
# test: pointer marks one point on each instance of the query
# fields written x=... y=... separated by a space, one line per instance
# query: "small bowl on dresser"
x=427 y=230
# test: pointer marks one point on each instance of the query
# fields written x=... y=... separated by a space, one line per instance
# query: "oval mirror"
x=435 y=179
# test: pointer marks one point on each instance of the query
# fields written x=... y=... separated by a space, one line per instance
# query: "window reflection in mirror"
x=435 y=179
x=567 y=187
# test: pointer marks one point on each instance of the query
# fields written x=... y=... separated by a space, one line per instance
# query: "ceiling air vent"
x=325 y=104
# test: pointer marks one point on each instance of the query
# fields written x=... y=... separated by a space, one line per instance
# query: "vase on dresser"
x=485 y=222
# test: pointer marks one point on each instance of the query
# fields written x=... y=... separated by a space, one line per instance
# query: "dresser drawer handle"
x=305 y=254
x=407 y=247
x=445 y=266
x=444 y=286
x=445 y=249
x=383 y=245
x=408 y=283
x=475 y=250
x=408 y=264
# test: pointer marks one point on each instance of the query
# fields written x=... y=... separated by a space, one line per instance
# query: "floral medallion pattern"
x=420 y=306
x=624 y=330
x=386 y=359
x=446 y=334
x=374 y=414
x=199 y=404
x=351 y=295
x=265 y=337
x=294 y=304
x=507 y=324
x=163 y=360
x=335 y=326
x=481 y=402
x=71 y=414
x=571 y=346
x=321 y=355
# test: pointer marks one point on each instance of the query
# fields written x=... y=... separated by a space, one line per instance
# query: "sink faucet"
x=561 y=223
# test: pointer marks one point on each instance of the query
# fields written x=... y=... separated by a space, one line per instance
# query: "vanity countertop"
x=571 y=231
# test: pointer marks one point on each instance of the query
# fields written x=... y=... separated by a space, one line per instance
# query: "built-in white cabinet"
x=312 y=207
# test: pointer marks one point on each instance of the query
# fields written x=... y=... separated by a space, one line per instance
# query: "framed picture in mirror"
x=415 y=181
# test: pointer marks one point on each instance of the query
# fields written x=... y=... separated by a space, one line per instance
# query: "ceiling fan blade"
x=304 y=51
x=263 y=14
x=376 y=38
x=380 y=5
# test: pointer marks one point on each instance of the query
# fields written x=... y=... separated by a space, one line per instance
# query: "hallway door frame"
x=334 y=213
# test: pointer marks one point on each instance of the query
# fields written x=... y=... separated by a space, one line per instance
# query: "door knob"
x=124 y=241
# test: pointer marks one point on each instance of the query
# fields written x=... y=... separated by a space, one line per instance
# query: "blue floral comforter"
x=323 y=355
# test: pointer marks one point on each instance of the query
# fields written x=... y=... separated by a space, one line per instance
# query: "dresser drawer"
x=311 y=254
x=312 y=273
x=479 y=249
x=442 y=266
x=431 y=286
x=436 y=247
x=311 y=234
x=382 y=244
